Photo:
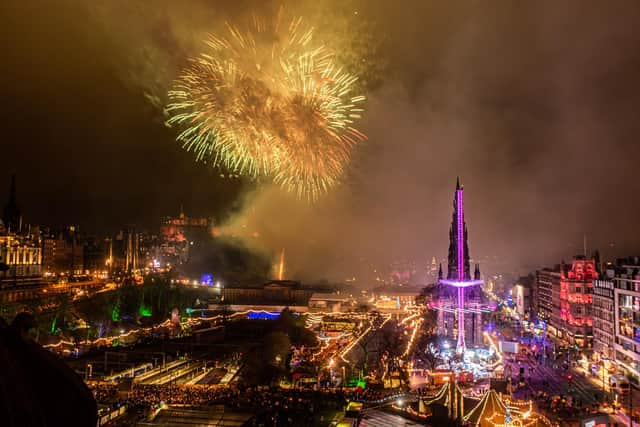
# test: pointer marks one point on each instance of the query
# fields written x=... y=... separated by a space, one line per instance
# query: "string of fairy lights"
x=417 y=324
x=357 y=340
x=164 y=324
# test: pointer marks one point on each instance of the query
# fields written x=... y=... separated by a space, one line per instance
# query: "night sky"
x=534 y=104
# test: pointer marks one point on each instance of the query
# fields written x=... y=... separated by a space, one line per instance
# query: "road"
x=555 y=381
x=550 y=375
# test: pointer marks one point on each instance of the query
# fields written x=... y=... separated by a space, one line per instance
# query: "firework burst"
x=268 y=103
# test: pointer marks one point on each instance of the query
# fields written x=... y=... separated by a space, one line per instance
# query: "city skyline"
x=528 y=133
x=393 y=269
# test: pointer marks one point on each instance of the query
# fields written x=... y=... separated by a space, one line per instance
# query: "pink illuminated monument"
x=458 y=274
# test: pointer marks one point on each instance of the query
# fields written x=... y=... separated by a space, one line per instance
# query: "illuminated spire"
x=458 y=265
x=458 y=274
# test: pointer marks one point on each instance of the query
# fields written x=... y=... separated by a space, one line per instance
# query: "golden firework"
x=267 y=102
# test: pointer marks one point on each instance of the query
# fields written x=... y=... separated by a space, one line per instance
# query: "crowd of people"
x=271 y=405
x=280 y=406
x=178 y=394
x=104 y=392
x=196 y=394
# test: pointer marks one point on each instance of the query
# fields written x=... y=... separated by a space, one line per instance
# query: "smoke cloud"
x=530 y=106
x=534 y=105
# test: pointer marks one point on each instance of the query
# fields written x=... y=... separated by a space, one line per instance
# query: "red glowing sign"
x=575 y=292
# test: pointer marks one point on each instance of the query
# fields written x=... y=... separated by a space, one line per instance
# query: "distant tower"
x=72 y=234
x=136 y=250
x=11 y=214
x=110 y=259
x=129 y=252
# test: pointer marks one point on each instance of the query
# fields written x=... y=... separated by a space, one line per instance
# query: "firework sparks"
x=267 y=103
x=281 y=266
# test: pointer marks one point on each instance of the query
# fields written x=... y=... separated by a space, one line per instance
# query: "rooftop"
x=185 y=416
x=328 y=296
